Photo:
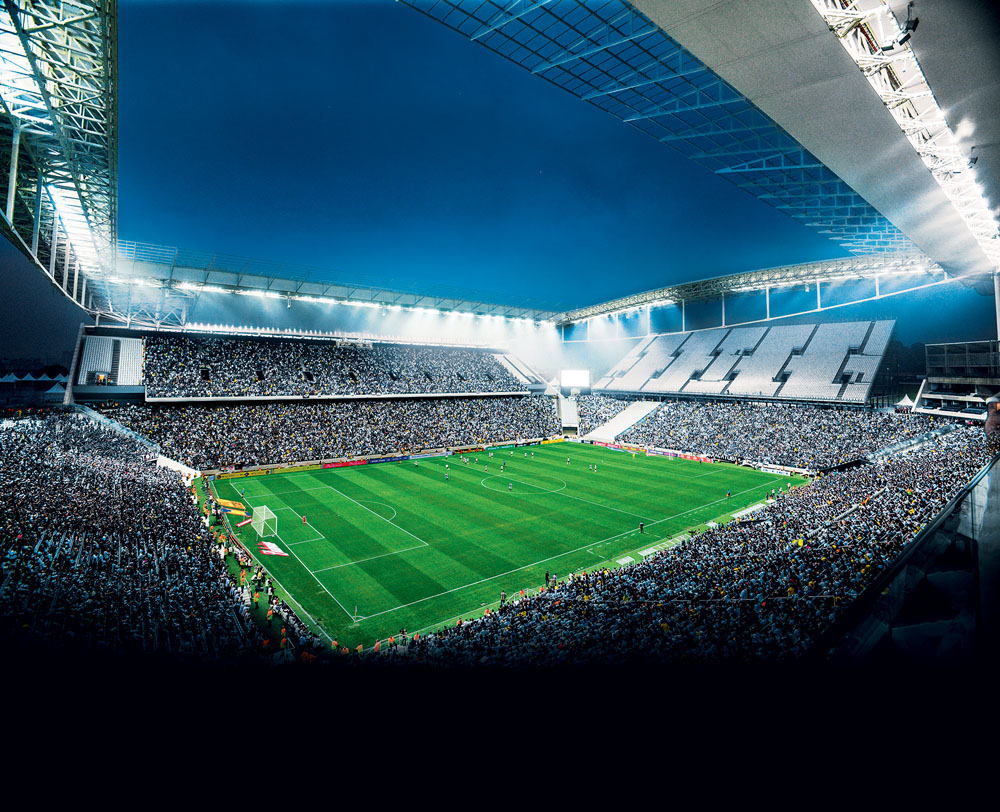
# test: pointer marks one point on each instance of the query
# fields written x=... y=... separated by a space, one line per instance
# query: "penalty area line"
x=560 y=555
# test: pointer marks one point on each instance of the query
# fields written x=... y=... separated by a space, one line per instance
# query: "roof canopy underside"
x=759 y=92
x=783 y=57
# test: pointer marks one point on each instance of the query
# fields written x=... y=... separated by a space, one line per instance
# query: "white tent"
x=54 y=395
x=905 y=402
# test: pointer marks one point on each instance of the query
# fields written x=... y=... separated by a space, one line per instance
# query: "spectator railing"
x=118 y=428
x=870 y=619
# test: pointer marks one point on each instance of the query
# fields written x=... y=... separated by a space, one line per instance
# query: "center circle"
x=522 y=487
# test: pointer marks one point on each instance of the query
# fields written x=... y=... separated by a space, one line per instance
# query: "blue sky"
x=365 y=138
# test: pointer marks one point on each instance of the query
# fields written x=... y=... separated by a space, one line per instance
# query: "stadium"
x=764 y=435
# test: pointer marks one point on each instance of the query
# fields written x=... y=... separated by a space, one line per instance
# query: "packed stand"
x=757 y=590
x=104 y=550
x=596 y=410
x=187 y=366
x=796 y=436
x=213 y=436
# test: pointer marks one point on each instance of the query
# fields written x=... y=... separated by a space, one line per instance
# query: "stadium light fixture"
x=873 y=37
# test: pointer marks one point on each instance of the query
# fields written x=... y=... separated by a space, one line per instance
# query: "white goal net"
x=264 y=521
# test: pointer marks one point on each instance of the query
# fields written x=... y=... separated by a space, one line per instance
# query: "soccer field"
x=397 y=545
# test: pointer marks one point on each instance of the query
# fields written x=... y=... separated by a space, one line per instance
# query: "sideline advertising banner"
x=344 y=463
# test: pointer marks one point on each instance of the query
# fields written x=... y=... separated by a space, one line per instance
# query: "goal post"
x=264 y=522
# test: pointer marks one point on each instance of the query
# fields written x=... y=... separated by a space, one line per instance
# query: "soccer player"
x=567 y=460
x=727 y=493
x=445 y=476
x=303 y=520
x=641 y=525
x=510 y=487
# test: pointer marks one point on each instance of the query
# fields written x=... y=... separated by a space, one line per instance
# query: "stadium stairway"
x=622 y=421
x=568 y=413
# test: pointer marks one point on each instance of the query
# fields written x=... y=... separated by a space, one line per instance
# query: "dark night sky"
x=366 y=138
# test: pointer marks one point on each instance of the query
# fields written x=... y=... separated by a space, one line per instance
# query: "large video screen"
x=575 y=378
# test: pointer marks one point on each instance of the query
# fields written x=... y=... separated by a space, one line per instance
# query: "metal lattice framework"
x=159 y=286
x=873 y=37
x=610 y=55
x=836 y=270
x=58 y=89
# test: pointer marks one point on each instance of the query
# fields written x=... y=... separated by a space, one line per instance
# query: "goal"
x=264 y=521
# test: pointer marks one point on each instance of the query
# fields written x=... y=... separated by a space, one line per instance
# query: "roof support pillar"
x=15 y=149
x=682 y=317
x=83 y=290
x=76 y=274
x=66 y=267
x=723 y=308
x=53 y=245
x=36 y=226
x=767 y=302
x=819 y=304
x=996 y=298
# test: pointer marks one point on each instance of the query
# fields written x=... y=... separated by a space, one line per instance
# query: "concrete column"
x=15 y=150
x=682 y=316
x=76 y=277
x=36 y=226
x=66 y=254
x=54 y=244
x=83 y=291
x=723 y=309
x=767 y=301
x=996 y=298
x=819 y=304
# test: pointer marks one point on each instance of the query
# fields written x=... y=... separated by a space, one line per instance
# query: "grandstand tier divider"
x=395 y=396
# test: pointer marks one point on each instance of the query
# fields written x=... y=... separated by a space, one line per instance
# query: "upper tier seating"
x=830 y=362
x=194 y=366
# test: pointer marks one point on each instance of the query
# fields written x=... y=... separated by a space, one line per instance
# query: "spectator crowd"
x=758 y=589
x=100 y=549
x=596 y=410
x=191 y=366
x=218 y=436
x=772 y=434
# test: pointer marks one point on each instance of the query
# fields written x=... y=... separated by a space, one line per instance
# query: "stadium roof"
x=817 y=107
x=913 y=264
x=58 y=89
x=156 y=285
x=763 y=94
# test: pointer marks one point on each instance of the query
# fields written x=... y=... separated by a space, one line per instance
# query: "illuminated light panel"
x=870 y=33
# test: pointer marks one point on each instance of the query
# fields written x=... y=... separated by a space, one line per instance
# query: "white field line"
x=318 y=581
x=387 y=521
x=291 y=598
x=561 y=492
x=560 y=555
x=372 y=558
x=307 y=523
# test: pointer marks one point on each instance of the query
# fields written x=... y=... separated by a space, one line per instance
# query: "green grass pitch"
x=404 y=547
